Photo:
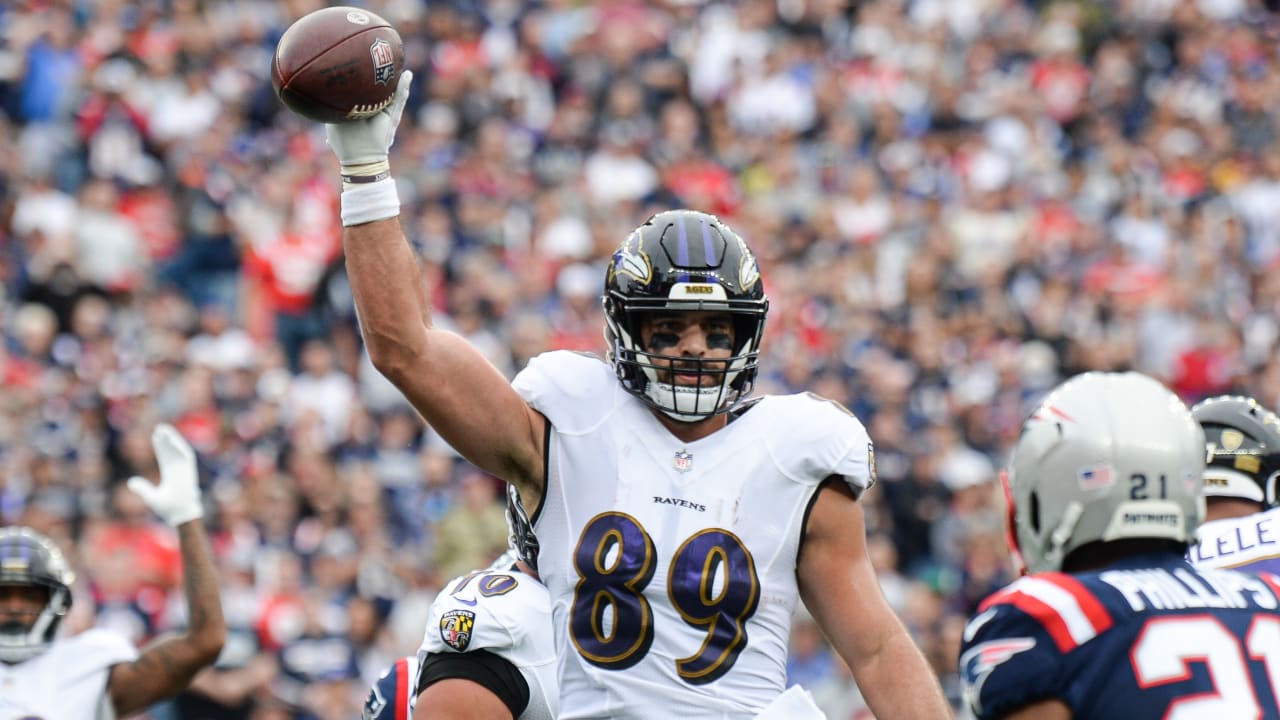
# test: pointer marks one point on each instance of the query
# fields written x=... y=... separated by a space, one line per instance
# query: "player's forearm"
x=167 y=666
x=389 y=295
x=899 y=685
x=206 y=629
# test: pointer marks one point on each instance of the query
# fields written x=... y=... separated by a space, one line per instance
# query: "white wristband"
x=365 y=203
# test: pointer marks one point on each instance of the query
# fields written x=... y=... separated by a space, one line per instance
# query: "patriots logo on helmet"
x=456 y=627
x=979 y=661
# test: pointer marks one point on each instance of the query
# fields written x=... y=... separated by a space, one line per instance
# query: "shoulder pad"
x=575 y=391
x=93 y=650
x=1068 y=611
x=487 y=610
x=833 y=439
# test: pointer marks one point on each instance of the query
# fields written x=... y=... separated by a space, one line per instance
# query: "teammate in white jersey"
x=98 y=674
x=675 y=543
x=487 y=653
x=1241 y=485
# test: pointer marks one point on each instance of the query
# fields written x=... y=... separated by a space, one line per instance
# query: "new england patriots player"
x=1241 y=485
x=487 y=653
x=1105 y=491
x=98 y=674
x=679 y=526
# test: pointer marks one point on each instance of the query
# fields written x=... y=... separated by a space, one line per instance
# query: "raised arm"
x=167 y=666
x=448 y=381
x=840 y=589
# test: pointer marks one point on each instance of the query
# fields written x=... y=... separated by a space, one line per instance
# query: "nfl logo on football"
x=384 y=63
x=683 y=461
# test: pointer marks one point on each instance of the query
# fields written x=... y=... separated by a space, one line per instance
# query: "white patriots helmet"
x=1106 y=456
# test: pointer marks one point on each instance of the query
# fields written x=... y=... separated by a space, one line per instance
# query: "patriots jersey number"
x=1167 y=645
x=712 y=583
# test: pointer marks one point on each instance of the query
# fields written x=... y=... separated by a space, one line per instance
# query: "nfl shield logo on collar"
x=684 y=461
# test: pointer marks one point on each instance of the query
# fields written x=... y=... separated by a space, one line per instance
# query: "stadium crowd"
x=956 y=205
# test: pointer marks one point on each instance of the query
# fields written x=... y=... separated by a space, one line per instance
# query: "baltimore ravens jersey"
x=1250 y=543
x=66 y=682
x=1147 y=638
x=672 y=565
x=507 y=613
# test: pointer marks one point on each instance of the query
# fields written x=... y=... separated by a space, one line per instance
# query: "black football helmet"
x=520 y=538
x=1243 y=440
x=28 y=558
x=684 y=260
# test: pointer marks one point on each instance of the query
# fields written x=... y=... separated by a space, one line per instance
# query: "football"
x=337 y=64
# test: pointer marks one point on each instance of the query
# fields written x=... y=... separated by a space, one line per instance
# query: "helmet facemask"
x=21 y=641
x=642 y=371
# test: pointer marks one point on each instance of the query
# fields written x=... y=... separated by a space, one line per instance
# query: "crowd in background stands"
x=956 y=203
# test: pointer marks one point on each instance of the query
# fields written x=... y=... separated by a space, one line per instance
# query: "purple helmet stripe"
x=682 y=250
x=707 y=246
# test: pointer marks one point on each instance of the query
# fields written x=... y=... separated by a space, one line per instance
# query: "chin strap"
x=1062 y=534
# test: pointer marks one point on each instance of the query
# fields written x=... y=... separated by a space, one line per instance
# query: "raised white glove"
x=176 y=498
x=362 y=144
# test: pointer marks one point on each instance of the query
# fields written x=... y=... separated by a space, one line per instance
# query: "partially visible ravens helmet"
x=30 y=559
x=683 y=260
x=1243 y=440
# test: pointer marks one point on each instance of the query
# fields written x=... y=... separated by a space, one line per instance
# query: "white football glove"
x=364 y=143
x=176 y=498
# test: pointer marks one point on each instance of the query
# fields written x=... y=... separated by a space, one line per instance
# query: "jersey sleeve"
x=99 y=648
x=834 y=442
x=1007 y=661
x=1027 y=643
x=575 y=391
x=491 y=611
x=392 y=696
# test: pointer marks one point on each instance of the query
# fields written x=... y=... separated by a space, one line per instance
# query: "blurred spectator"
x=474 y=530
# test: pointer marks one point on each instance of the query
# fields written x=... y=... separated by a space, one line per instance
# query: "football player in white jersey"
x=1241 y=485
x=98 y=674
x=487 y=653
x=679 y=526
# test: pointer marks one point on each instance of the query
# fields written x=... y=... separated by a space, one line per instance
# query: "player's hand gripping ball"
x=337 y=64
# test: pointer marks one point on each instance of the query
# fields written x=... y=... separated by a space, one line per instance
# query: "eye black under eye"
x=719 y=341
x=662 y=340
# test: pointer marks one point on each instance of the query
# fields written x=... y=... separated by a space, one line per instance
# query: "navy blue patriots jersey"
x=1150 y=637
x=392 y=696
